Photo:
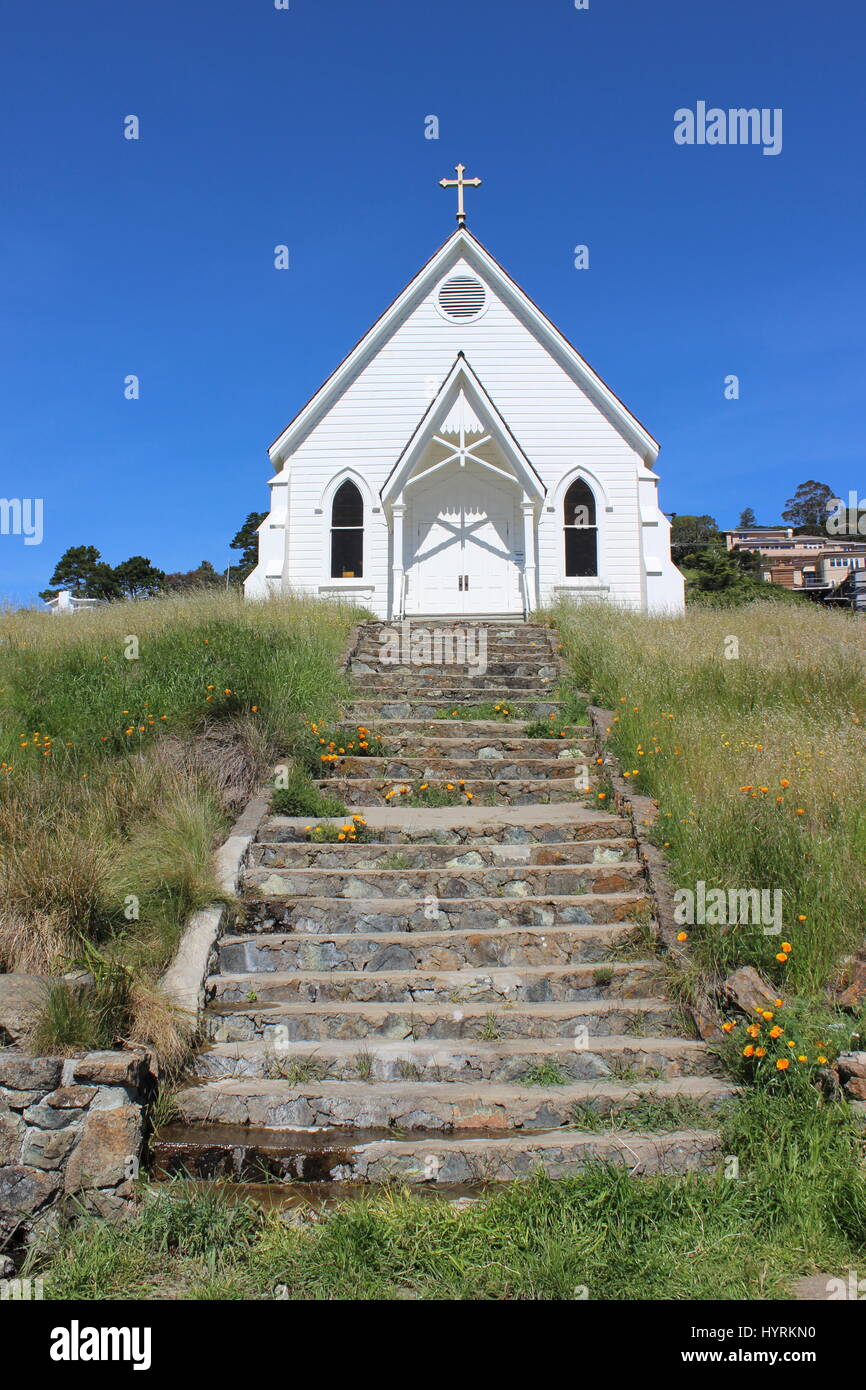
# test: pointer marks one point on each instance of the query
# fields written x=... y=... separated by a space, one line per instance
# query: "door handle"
x=466 y=581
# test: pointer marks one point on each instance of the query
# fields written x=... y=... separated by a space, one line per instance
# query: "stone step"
x=421 y=950
x=416 y=735
x=412 y=1105
x=506 y=628
x=513 y=1062
x=505 y=669
x=447 y=681
x=508 y=881
x=524 y=766
x=242 y=1154
x=382 y=646
x=470 y=827
x=382 y=855
x=318 y=915
x=306 y=1022
x=501 y=746
x=505 y=791
x=372 y=709
x=526 y=983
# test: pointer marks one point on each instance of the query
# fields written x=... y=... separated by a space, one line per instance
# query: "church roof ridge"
x=462 y=236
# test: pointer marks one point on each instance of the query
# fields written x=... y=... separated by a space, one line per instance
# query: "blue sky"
x=306 y=127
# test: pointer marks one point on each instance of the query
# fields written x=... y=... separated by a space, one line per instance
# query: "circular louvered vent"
x=462 y=297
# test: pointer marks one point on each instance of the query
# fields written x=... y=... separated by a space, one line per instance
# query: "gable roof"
x=462 y=382
x=462 y=243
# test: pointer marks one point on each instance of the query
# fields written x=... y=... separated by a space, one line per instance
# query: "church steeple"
x=460 y=183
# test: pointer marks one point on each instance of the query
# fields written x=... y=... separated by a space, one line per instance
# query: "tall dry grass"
x=128 y=737
x=757 y=761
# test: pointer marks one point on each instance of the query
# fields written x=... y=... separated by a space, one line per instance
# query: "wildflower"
x=776 y=1031
x=782 y=1064
x=781 y=957
x=727 y=1027
x=786 y=946
x=760 y=1052
x=682 y=936
x=749 y=1051
x=765 y=1013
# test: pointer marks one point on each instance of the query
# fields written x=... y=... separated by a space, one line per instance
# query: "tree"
x=808 y=506
x=247 y=542
x=714 y=570
x=102 y=583
x=204 y=577
x=747 y=519
x=137 y=577
x=690 y=533
x=74 y=568
x=748 y=560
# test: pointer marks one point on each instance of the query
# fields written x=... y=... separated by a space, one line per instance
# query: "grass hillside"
x=128 y=738
x=757 y=763
x=757 y=760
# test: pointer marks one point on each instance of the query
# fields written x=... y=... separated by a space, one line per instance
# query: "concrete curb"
x=642 y=811
x=184 y=981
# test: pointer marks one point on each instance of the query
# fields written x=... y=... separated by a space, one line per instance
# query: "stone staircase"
x=470 y=992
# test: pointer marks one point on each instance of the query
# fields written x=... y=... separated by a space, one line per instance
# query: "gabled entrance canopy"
x=462 y=419
x=463 y=435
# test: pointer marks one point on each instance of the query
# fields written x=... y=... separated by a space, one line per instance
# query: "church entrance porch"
x=462 y=552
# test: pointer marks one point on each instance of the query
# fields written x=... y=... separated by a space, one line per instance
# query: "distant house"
x=819 y=564
x=66 y=602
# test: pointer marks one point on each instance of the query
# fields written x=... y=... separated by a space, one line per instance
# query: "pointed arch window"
x=347 y=533
x=581 y=531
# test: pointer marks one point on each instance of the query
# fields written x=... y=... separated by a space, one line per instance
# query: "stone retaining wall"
x=70 y=1128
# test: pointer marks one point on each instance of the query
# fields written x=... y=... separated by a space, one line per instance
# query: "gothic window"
x=581 y=531
x=347 y=533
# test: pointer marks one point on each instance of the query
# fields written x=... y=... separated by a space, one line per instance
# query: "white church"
x=465 y=460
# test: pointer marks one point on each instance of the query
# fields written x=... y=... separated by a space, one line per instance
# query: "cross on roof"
x=460 y=183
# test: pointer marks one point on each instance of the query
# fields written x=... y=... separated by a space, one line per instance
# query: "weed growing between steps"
x=129 y=736
x=797 y=1207
x=483 y=711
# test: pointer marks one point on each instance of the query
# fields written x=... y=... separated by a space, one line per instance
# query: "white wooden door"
x=488 y=564
x=433 y=578
x=463 y=559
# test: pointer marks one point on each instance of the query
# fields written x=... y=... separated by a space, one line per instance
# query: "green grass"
x=704 y=734
x=129 y=738
x=797 y=1207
